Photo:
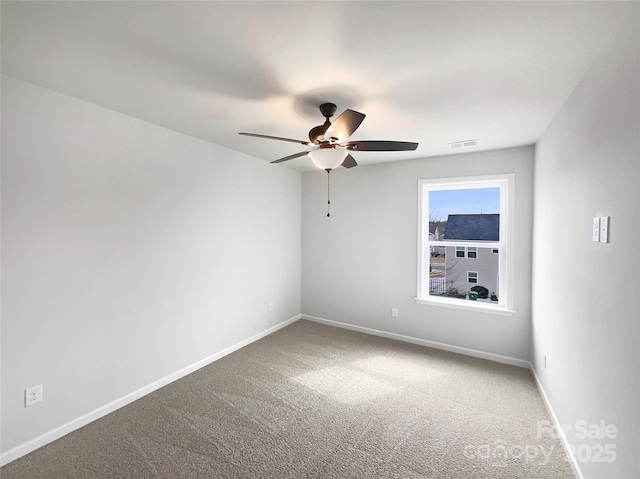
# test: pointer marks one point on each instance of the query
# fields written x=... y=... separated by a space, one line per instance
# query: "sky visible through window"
x=443 y=203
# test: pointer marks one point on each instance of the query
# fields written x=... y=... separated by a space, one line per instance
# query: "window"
x=466 y=251
x=472 y=247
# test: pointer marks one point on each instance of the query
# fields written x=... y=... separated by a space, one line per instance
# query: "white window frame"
x=505 y=183
x=477 y=277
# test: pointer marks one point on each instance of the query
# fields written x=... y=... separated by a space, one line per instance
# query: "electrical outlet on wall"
x=395 y=313
x=32 y=395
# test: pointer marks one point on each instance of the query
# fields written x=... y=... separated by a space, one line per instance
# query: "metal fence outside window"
x=437 y=285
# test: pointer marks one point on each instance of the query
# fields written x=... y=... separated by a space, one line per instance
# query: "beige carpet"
x=312 y=401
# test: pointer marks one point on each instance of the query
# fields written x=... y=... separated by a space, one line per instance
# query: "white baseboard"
x=46 y=438
x=561 y=434
x=424 y=342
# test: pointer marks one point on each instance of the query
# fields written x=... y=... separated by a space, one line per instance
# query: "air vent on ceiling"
x=463 y=144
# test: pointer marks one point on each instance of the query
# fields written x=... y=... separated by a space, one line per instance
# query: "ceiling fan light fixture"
x=328 y=158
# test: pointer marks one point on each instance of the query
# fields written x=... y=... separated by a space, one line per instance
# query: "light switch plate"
x=604 y=229
x=596 y=229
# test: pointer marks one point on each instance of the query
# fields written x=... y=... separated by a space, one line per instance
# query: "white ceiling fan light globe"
x=328 y=158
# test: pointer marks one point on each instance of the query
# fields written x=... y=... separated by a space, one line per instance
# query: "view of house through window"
x=462 y=244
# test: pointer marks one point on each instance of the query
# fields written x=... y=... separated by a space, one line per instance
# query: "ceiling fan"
x=330 y=140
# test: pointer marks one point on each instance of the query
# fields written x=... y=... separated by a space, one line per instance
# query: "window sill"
x=467 y=305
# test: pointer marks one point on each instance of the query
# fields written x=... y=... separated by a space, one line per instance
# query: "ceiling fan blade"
x=302 y=142
x=344 y=126
x=290 y=157
x=349 y=162
x=380 y=145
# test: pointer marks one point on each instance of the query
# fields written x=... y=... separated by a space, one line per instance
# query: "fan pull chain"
x=328 y=193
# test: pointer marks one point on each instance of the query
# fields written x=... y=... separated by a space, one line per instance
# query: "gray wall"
x=585 y=294
x=361 y=262
x=128 y=252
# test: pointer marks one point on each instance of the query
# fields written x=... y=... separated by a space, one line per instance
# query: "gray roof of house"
x=473 y=227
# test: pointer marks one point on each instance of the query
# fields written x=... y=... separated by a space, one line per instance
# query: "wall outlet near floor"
x=395 y=313
x=32 y=395
x=270 y=307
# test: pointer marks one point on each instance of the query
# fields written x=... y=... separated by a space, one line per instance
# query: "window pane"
x=452 y=276
x=472 y=252
x=465 y=201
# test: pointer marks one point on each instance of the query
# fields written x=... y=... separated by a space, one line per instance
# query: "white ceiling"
x=431 y=72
